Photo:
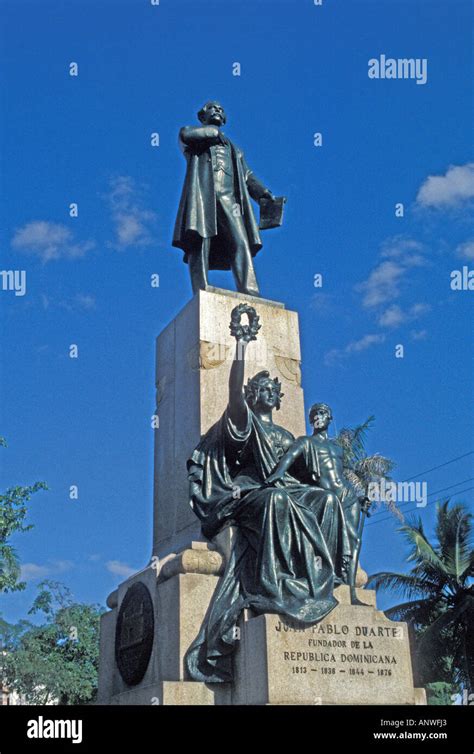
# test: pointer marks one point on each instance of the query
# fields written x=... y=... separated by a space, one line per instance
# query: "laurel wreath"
x=244 y=332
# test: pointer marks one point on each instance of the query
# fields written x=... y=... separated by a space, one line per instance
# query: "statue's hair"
x=315 y=408
x=254 y=384
x=202 y=111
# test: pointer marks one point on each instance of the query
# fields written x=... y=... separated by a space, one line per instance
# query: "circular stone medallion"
x=134 y=634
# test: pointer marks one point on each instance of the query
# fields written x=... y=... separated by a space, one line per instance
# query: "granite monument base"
x=354 y=656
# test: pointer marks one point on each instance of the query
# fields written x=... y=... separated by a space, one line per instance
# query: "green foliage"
x=359 y=468
x=13 y=511
x=56 y=662
x=440 y=693
x=440 y=596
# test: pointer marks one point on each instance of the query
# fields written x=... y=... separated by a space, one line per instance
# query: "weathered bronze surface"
x=319 y=460
x=292 y=543
x=215 y=225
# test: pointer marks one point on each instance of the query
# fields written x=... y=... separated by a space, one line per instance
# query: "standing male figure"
x=319 y=459
x=215 y=225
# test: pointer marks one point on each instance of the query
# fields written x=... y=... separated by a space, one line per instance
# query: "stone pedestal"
x=180 y=591
x=353 y=656
x=193 y=359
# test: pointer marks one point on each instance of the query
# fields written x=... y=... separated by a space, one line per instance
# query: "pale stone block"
x=361 y=577
x=179 y=604
x=194 y=560
x=193 y=359
x=105 y=690
x=366 y=596
x=173 y=693
x=353 y=656
x=420 y=696
x=150 y=694
x=183 y=602
x=195 y=693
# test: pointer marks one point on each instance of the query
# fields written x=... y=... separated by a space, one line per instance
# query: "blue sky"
x=386 y=279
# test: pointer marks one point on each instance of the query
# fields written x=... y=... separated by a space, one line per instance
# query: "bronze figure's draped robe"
x=291 y=542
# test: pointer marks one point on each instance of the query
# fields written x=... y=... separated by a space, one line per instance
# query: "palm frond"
x=405 y=583
x=433 y=635
x=417 y=612
x=454 y=533
x=352 y=441
x=356 y=481
x=374 y=467
x=422 y=550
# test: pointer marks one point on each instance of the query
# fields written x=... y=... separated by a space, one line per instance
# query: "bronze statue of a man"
x=215 y=225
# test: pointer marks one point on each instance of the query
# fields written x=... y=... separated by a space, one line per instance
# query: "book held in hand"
x=271 y=212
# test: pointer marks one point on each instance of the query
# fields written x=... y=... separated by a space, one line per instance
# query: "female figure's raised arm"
x=243 y=334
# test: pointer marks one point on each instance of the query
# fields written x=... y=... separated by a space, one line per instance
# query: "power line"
x=381 y=520
x=448 y=488
x=428 y=471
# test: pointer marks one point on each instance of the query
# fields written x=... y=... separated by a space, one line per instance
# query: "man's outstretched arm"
x=193 y=136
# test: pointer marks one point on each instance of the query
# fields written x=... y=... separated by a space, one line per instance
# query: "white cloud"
x=30 y=571
x=336 y=355
x=406 y=250
x=323 y=303
x=452 y=189
x=79 y=301
x=394 y=316
x=131 y=221
x=49 y=241
x=364 y=343
x=33 y=571
x=42 y=349
x=419 y=334
x=384 y=282
x=118 y=568
x=418 y=310
x=466 y=250
x=85 y=300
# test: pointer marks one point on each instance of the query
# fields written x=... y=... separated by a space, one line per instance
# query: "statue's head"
x=212 y=113
x=261 y=392
x=320 y=416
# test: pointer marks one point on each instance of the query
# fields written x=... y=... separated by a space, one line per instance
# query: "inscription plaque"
x=354 y=656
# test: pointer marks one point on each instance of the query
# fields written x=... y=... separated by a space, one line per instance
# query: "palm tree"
x=440 y=596
x=361 y=469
